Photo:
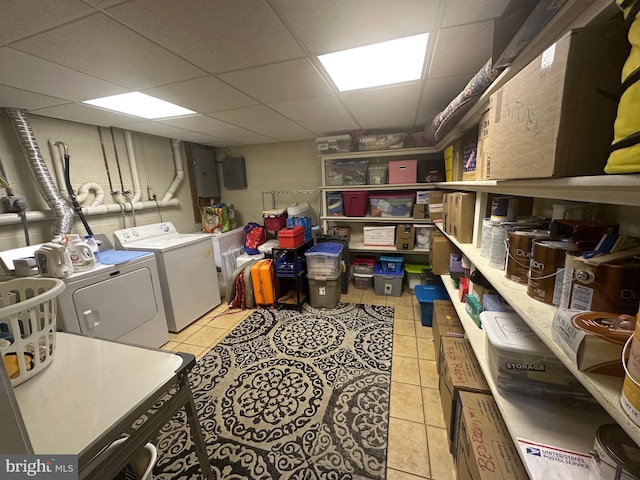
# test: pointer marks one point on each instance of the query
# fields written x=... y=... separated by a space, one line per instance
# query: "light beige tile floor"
x=418 y=446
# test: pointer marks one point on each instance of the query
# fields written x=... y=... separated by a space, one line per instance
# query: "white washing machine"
x=118 y=300
x=187 y=269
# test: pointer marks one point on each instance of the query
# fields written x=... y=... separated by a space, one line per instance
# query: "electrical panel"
x=205 y=172
x=234 y=173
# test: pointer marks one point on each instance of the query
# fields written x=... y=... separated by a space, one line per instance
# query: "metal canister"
x=546 y=268
x=615 y=456
x=519 y=253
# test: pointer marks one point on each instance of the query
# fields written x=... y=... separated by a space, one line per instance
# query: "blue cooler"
x=426 y=294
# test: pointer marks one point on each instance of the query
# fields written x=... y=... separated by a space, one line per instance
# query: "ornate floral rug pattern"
x=291 y=395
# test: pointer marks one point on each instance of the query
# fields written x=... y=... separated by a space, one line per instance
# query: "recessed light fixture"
x=140 y=105
x=383 y=63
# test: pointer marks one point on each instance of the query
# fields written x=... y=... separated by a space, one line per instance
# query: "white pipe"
x=177 y=161
x=133 y=165
x=44 y=215
x=85 y=188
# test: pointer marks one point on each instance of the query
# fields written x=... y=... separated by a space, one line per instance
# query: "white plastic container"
x=81 y=254
x=519 y=362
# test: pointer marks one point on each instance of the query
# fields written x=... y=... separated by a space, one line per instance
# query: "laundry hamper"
x=28 y=325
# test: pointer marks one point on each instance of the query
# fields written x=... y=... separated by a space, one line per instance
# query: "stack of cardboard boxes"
x=478 y=438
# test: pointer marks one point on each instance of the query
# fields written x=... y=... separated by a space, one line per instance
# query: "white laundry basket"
x=142 y=460
x=28 y=325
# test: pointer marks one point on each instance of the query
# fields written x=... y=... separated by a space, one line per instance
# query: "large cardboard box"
x=484 y=450
x=445 y=323
x=440 y=250
x=483 y=161
x=551 y=119
x=459 y=370
x=436 y=197
x=463 y=208
x=405 y=237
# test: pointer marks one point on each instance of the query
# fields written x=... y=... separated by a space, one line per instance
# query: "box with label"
x=459 y=370
x=463 y=210
x=440 y=249
x=550 y=119
x=422 y=196
x=593 y=340
x=379 y=236
x=483 y=159
x=340 y=231
x=405 y=237
x=445 y=323
x=465 y=152
x=436 y=197
x=484 y=449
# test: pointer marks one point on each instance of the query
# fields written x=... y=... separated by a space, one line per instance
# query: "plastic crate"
x=413 y=275
x=324 y=292
x=28 y=325
x=355 y=203
x=391 y=263
x=324 y=259
x=387 y=283
x=392 y=204
x=426 y=294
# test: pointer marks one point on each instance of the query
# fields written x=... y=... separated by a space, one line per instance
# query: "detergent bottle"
x=81 y=254
x=53 y=260
x=89 y=240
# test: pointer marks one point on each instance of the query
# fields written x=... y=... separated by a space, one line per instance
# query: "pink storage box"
x=355 y=203
x=403 y=171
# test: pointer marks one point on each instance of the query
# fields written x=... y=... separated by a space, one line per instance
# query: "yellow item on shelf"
x=12 y=365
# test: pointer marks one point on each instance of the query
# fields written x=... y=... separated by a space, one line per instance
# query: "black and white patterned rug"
x=291 y=395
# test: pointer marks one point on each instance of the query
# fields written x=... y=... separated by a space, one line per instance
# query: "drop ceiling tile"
x=203 y=95
x=17 y=98
x=101 y=4
x=81 y=113
x=196 y=123
x=439 y=92
x=221 y=142
x=426 y=116
x=310 y=107
x=27 y=17
x=389 y=120
x=194 y=137
x=332 y=25
x=249 y=31
x=379 y=99
x=250 y=116
x=460 y=12
x=243 y=136
x=99 y=46
x=471 y=44
x=37 y=75
x=280 y=82
x=284 y=131
x=330 y=125
x=155 y=128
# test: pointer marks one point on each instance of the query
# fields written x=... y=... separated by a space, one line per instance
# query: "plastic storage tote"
x=335 y=206
x=355 y=203
x=363 y=281
x=519 y=361
x=391 y=263
x=346 y=172
x=392 y=204
x=323 y=260
x=387 y=283
x=377 y=174
x=413 y=275
x=426 y=294
x=324 y=292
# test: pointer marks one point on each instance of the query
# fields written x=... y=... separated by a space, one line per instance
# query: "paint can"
x=503 y=209
x=630 y=398
x=519 y=253
x=615 y=456
x=485 y=239
x=498 y=246
x=607 y=287
x=546 y=268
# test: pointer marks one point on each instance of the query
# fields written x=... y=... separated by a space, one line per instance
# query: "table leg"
x=196 y=434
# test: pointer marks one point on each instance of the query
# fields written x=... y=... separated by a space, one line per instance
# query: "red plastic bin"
x=355 y=203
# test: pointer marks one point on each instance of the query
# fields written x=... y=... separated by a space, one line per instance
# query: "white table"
x=93 y=392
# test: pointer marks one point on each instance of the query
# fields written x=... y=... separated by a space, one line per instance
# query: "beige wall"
x=278 y=166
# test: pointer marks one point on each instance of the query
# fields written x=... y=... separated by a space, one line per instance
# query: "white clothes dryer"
x=186 y=265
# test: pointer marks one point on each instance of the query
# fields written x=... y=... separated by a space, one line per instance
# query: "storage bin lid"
x=391 y=258
x=325 y=248
x=273 y=213
x=507 y=331
x=414 y=268
x=377 y=270
x=429 y=293
x=325 y=278
x=363 y=275
x=393 y=195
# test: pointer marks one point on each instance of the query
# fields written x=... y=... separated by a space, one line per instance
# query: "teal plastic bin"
x=426 y=294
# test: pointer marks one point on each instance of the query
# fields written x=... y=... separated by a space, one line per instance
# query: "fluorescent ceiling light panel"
x=140 y=105
x=395 y=61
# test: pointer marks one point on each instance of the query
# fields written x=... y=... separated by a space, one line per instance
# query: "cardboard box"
x=483 y=160
x=550 y=120
x=420 y=211
x=459 y=370
x=440 y=249
x=445 y=323
x=447 y=202
x=422 y=196
x=435 y=205
x=592 y=340
x=340 y=232
x=405 y=237
x=448 y=163
x=465 y=151
x=379 y=236
x=484 y=449
x=463 y=209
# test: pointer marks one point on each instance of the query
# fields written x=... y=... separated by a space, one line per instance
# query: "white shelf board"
x=539 y=316
x=369 y=219
x=384 y=186
x=536 y=419
x=360 y=247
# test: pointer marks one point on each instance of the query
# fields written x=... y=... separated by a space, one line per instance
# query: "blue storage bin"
x=387 y=283
x=391 y=263
x=426 y=294
x=323 y=259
